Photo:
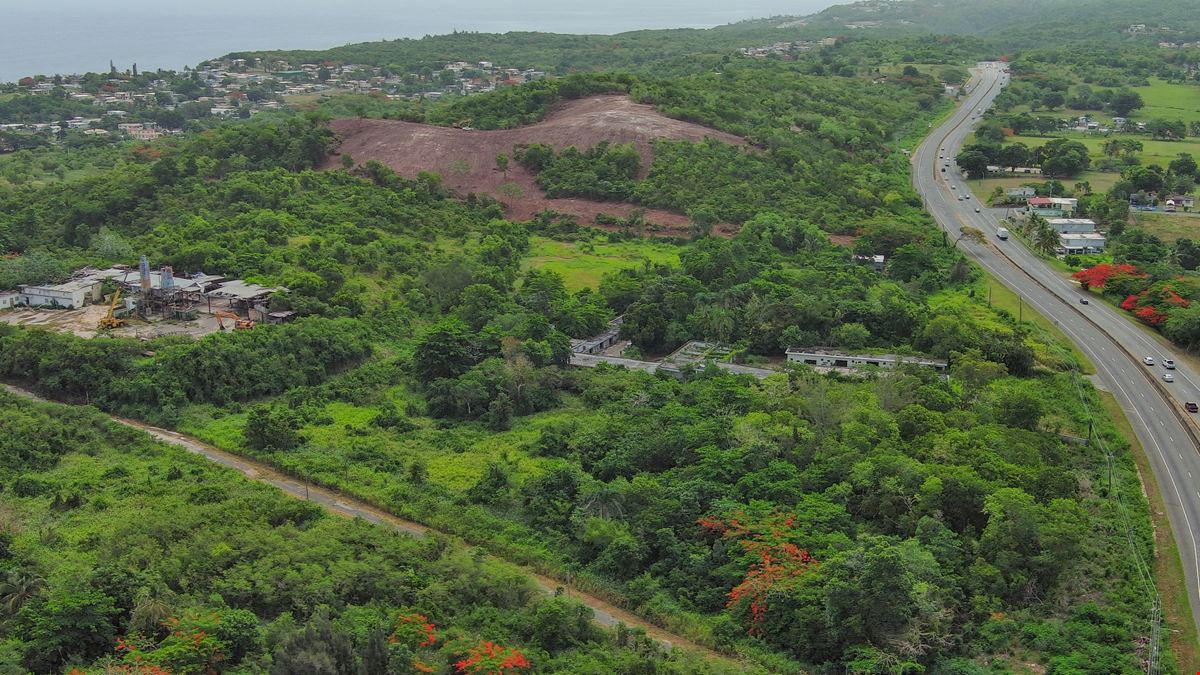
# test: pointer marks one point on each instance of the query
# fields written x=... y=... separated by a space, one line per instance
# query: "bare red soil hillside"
x=466 y=159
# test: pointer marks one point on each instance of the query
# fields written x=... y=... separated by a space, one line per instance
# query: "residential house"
x=1019 y=194
x=1052 y=207
x=1072 y=225
x=1086 y=242
x=1175 y=203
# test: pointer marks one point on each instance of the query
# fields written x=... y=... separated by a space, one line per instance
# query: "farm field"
x=583 y=264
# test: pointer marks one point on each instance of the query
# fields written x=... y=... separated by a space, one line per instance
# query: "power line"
x=1143 y=569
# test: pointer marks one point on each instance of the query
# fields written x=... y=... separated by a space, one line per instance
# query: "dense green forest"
x=135 y=557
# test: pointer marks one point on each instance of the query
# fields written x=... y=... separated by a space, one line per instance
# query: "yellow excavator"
x=238 y=322
x=108 y=321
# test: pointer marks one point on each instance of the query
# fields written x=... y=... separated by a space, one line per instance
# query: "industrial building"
x=69 y=295
x=153 y=293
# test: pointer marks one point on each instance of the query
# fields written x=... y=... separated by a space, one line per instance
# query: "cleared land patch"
x=466 y=159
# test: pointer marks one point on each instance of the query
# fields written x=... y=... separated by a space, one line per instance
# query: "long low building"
x=69 y=295
x=829 y=358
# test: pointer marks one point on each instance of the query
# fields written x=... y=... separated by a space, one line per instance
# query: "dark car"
x=1083 y=301
x=1191 y=406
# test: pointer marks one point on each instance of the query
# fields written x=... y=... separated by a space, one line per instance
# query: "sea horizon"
x=153 y=39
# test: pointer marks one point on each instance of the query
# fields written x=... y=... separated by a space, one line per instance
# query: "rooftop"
x=242 y=290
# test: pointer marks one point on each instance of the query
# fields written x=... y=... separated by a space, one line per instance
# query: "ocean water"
x=81 y=35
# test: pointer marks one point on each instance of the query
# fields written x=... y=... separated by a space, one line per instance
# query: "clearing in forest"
x=466 y=159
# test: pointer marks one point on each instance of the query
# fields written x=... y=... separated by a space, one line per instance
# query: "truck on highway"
x=1002 y=232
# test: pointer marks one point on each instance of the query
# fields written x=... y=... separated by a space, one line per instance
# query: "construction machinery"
x=109 y=321
x=238 y=322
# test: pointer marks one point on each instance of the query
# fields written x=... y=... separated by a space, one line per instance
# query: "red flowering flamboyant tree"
x=492 y=659
x=1098 y=275
x=775 y=560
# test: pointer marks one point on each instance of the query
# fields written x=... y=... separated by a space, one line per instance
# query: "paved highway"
x=1116 y=346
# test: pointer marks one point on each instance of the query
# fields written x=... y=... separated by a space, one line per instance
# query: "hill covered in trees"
x=1012 y=22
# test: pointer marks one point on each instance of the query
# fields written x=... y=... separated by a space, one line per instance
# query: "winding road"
x=1154 y=407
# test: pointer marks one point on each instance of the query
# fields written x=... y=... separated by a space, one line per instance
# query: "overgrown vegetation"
x=160 y=561
x=891 y=522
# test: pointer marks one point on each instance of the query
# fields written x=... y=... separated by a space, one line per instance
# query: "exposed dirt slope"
x=467 y=159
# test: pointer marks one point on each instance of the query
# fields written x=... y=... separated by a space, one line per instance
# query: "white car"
x=1148 y=360
x=966 y=196
x=1168 y=364
x=953 y=187
x=1167 y=377
x=976 y=209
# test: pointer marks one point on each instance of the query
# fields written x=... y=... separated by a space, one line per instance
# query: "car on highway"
x=960 y=199
x=976 y=209
x=1148 y=360
x=1083 y=301
x=966 y=196
x=1167 y=377
x=953 y=187
x=1168 y=364
x=1191 y=406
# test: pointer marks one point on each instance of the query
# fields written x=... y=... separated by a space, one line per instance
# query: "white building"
x=1072 y=225
x=69 y=295
x=8 y=299
x=1085 y=242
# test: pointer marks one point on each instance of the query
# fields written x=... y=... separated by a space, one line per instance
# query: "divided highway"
x=1154 y=407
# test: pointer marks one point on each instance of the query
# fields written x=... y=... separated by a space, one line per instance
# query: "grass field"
x=1154 y=152
x=1169 y=101
x=583 y=264
x=1169 y=227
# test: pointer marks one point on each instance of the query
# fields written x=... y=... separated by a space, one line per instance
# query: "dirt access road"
x=603 y=613
x=466 y=159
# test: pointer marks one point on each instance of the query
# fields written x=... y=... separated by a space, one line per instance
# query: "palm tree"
x=1046 y=239
x=604 y=501
x=18 y=588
